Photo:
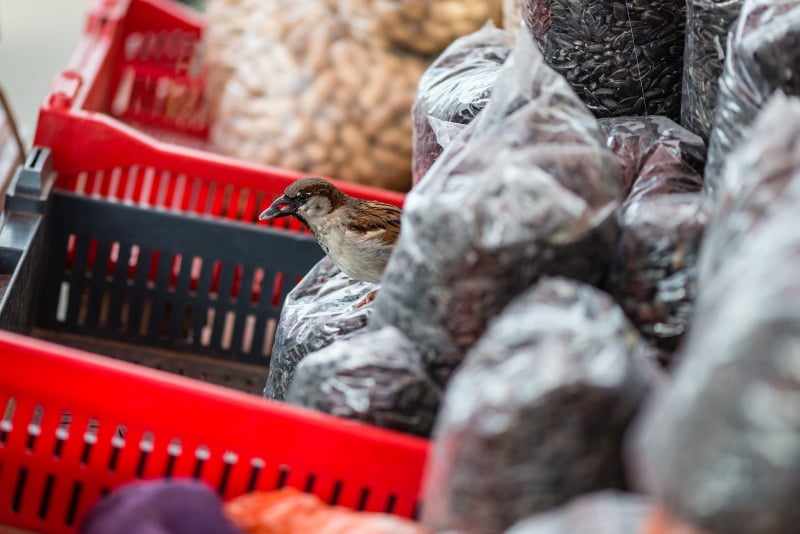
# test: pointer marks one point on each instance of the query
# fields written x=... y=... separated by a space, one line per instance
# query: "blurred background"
x=36 y=41
x=37 y=38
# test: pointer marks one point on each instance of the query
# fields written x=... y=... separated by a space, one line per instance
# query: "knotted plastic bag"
x=536 y=413
x=755 y=180
x=662 y=221
x=454 y=89
x=375 y=377
x=322 y=308
x=527 y=189
x=762 y=53
x=721 y=448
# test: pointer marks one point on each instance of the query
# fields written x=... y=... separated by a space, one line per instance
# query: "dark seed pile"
x=318 y=311
x=537 y=412
x=454 y=89
x=374 y=377
x=707 y=25
x=763 y=46
x=622 y=58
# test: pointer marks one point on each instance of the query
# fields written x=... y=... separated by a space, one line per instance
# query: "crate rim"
x=55 y=355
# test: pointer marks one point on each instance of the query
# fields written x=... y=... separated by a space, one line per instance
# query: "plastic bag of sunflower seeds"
x=322 y=308
x=454 y=88
x=707 y=25
x=527 y=189
x=721 y=447
x=622 y=57
x=661 y=224
x=374 y=377
x=605 y=512
x=536 y=413
x=654 y=274
x=763 y=51
x=656 y=153
x=658 y=156
x=762 y=173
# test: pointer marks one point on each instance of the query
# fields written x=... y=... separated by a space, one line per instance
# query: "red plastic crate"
x=51 y=473
x=127 y=120
x=126 y=124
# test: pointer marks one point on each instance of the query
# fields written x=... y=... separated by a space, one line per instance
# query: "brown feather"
x=374 y=216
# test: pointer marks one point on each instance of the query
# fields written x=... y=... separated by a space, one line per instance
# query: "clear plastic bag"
x=528 y=188
x=621 y=57
x=654 y=275
x=657 y=155
x=321 y=309
x=309 y=97
x=605 y=512
x=755 y=179
x=535 y=415
x=707 y=25
x=761 y=53
x=453 y=90
x=662 y=221
x=721 y=447
x=374 y=377
x=422 y=26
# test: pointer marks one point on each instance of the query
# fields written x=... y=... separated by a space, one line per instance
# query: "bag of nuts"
x=421 y=26
x=662 y=220
x=656 y=155
x=374 y=377
x=707 y=25
x=762 y=57
x=227 y=23
x=309 y=97
x=762 y=173
x=654 y=274
x=622 y=57
x=454 y=89
x=527 y=189
x=321 y=309
x=537 y=412
x=720 y=449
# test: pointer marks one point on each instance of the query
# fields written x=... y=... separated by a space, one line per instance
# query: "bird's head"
x=307 y=199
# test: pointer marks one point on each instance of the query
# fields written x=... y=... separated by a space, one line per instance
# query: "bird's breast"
x=359 y=258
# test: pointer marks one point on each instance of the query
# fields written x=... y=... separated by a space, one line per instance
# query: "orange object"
x=662 y=523
x=289 y=511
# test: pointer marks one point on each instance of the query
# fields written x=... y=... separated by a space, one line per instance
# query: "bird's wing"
x=377 y=220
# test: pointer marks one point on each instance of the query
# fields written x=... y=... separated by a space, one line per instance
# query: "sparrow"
x=358 y=235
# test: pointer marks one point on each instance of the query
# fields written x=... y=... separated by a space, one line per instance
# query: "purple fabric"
x=159 y=507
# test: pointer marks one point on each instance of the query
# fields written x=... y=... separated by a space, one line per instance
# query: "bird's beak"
x=280 y=207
